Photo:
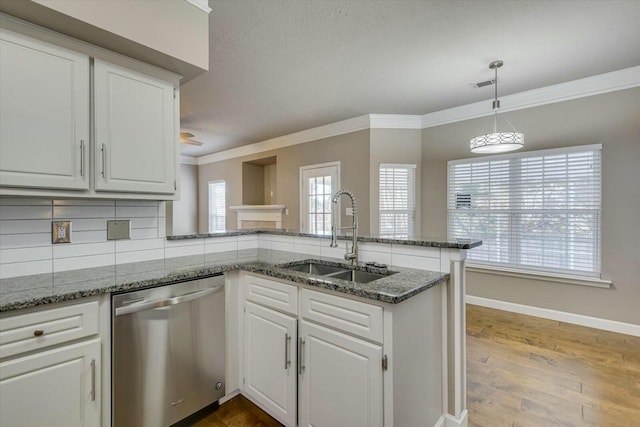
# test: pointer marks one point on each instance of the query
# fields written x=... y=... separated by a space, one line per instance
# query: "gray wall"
x=252 y=184
x=612 y=119
x=182 y=215
x=351 y=149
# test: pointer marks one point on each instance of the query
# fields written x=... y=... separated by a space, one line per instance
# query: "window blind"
x=537 y=210
x=217 y=206
x=397 y=201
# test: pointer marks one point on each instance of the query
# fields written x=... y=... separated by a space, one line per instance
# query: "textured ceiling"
x=279 y=67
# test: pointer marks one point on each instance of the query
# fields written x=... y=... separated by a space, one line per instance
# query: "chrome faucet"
x=353 y=255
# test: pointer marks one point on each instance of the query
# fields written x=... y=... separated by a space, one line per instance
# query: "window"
x=318 y=185
x=217 y=207
x=397 y=201
x=537 y=210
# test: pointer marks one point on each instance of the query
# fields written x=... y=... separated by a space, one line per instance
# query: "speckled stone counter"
x=31 y=291
x=417 y=241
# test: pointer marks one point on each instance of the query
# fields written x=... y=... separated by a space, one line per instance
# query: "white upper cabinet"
x=135 y=131
x=44 y=115
x=80 y=121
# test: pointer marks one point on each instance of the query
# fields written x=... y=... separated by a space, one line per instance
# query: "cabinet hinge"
x=175 y=185
x=385 y=363
x=174 y=93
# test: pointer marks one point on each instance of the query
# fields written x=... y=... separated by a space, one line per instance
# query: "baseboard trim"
x=441 y=422
x=462 y=421
x=228 y=397
x=561 y=316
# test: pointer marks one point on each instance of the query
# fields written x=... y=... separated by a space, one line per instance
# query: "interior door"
x=318 y=183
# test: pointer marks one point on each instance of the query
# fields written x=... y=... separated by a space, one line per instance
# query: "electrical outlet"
x=60 y=232
x=119 y=229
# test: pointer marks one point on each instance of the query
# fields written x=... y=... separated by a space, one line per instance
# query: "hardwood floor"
x=525 y=371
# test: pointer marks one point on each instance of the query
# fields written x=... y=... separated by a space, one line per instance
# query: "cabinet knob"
x=38 y=333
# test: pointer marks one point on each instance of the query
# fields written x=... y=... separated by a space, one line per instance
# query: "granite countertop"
x=394 y=288
x=428 y=241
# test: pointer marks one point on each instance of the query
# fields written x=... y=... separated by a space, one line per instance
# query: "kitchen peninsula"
x=415 y=311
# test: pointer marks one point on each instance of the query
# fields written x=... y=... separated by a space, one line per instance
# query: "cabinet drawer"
x=354 y=317
x=272 y=294
x=35 y=330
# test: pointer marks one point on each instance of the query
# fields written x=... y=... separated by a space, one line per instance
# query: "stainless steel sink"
x=335 y=271
x=358 y=276
x=311 y=267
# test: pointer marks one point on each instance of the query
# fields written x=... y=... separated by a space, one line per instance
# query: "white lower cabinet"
x=340 y=381
x=58 y=387
x=270 y=361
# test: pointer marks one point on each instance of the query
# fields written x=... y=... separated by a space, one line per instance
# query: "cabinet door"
x=44 y=115
x=270 y=355
x=59 y=387
x=340 y=379
x=136 y=139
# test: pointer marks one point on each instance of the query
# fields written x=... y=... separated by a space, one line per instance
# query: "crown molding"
x=200 y=4
x=188 y=160
x=602 y=83
x=313 y=134
x=395 y=121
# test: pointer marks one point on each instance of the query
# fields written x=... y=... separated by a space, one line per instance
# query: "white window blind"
x=397 y=201
x=537 y=210
x=217 y=206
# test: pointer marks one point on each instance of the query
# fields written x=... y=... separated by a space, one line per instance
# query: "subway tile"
x=162 y=227
x=421 y=251
x=417 y=262
x=87 y=236
x=143 y=203
x=184 y=251
x=83 y=249
x=162 y=206
x=144 y=223
x=84 y=202
x=223 y=244
x=19 y=201
x=25 y=212
x=379 y=257
x=26 y=226
x=26 y=268
x=136 y=212
x=72 y=212
x=144 y=233
x=25 y=254
x=328 y=251
x=11 y=241
x=78 y=262
x=138 y=256
x=89 y=224
x=247 y=242
x=185 y=242
x=139 y=245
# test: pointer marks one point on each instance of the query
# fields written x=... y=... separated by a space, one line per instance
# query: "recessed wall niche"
x=259 y=181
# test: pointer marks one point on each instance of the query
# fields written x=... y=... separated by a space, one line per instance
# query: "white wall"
x=182 y=215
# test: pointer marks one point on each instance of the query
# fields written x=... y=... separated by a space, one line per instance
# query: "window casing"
x=217 y=206
x=537 y=210
x=397 y=206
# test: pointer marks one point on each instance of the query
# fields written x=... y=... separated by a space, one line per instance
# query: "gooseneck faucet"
x=353 y=255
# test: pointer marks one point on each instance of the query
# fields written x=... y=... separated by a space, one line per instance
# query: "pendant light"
x=497 y=142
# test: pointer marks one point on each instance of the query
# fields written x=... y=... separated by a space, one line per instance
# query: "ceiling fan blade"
x=190 y=142
x=186 y=135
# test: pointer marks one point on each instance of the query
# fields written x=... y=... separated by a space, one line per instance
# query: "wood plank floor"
x=525 y=371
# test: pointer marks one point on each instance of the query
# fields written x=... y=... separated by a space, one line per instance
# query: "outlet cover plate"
x=118 y=229
x=60 y=232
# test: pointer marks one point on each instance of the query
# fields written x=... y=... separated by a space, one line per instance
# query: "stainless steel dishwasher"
x=168 y=352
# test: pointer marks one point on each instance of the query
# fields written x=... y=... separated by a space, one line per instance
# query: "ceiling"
x=283 y=66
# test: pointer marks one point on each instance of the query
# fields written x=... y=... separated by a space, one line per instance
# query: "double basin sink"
x=342 y=272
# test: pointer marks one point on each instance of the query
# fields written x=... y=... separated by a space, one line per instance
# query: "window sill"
x=548 y=277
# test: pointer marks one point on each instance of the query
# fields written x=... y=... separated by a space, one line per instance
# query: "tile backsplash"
x=25 y=234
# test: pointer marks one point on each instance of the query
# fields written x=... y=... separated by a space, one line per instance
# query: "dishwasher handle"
x=167 y=302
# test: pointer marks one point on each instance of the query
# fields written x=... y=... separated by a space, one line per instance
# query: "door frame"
x=335 y=164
